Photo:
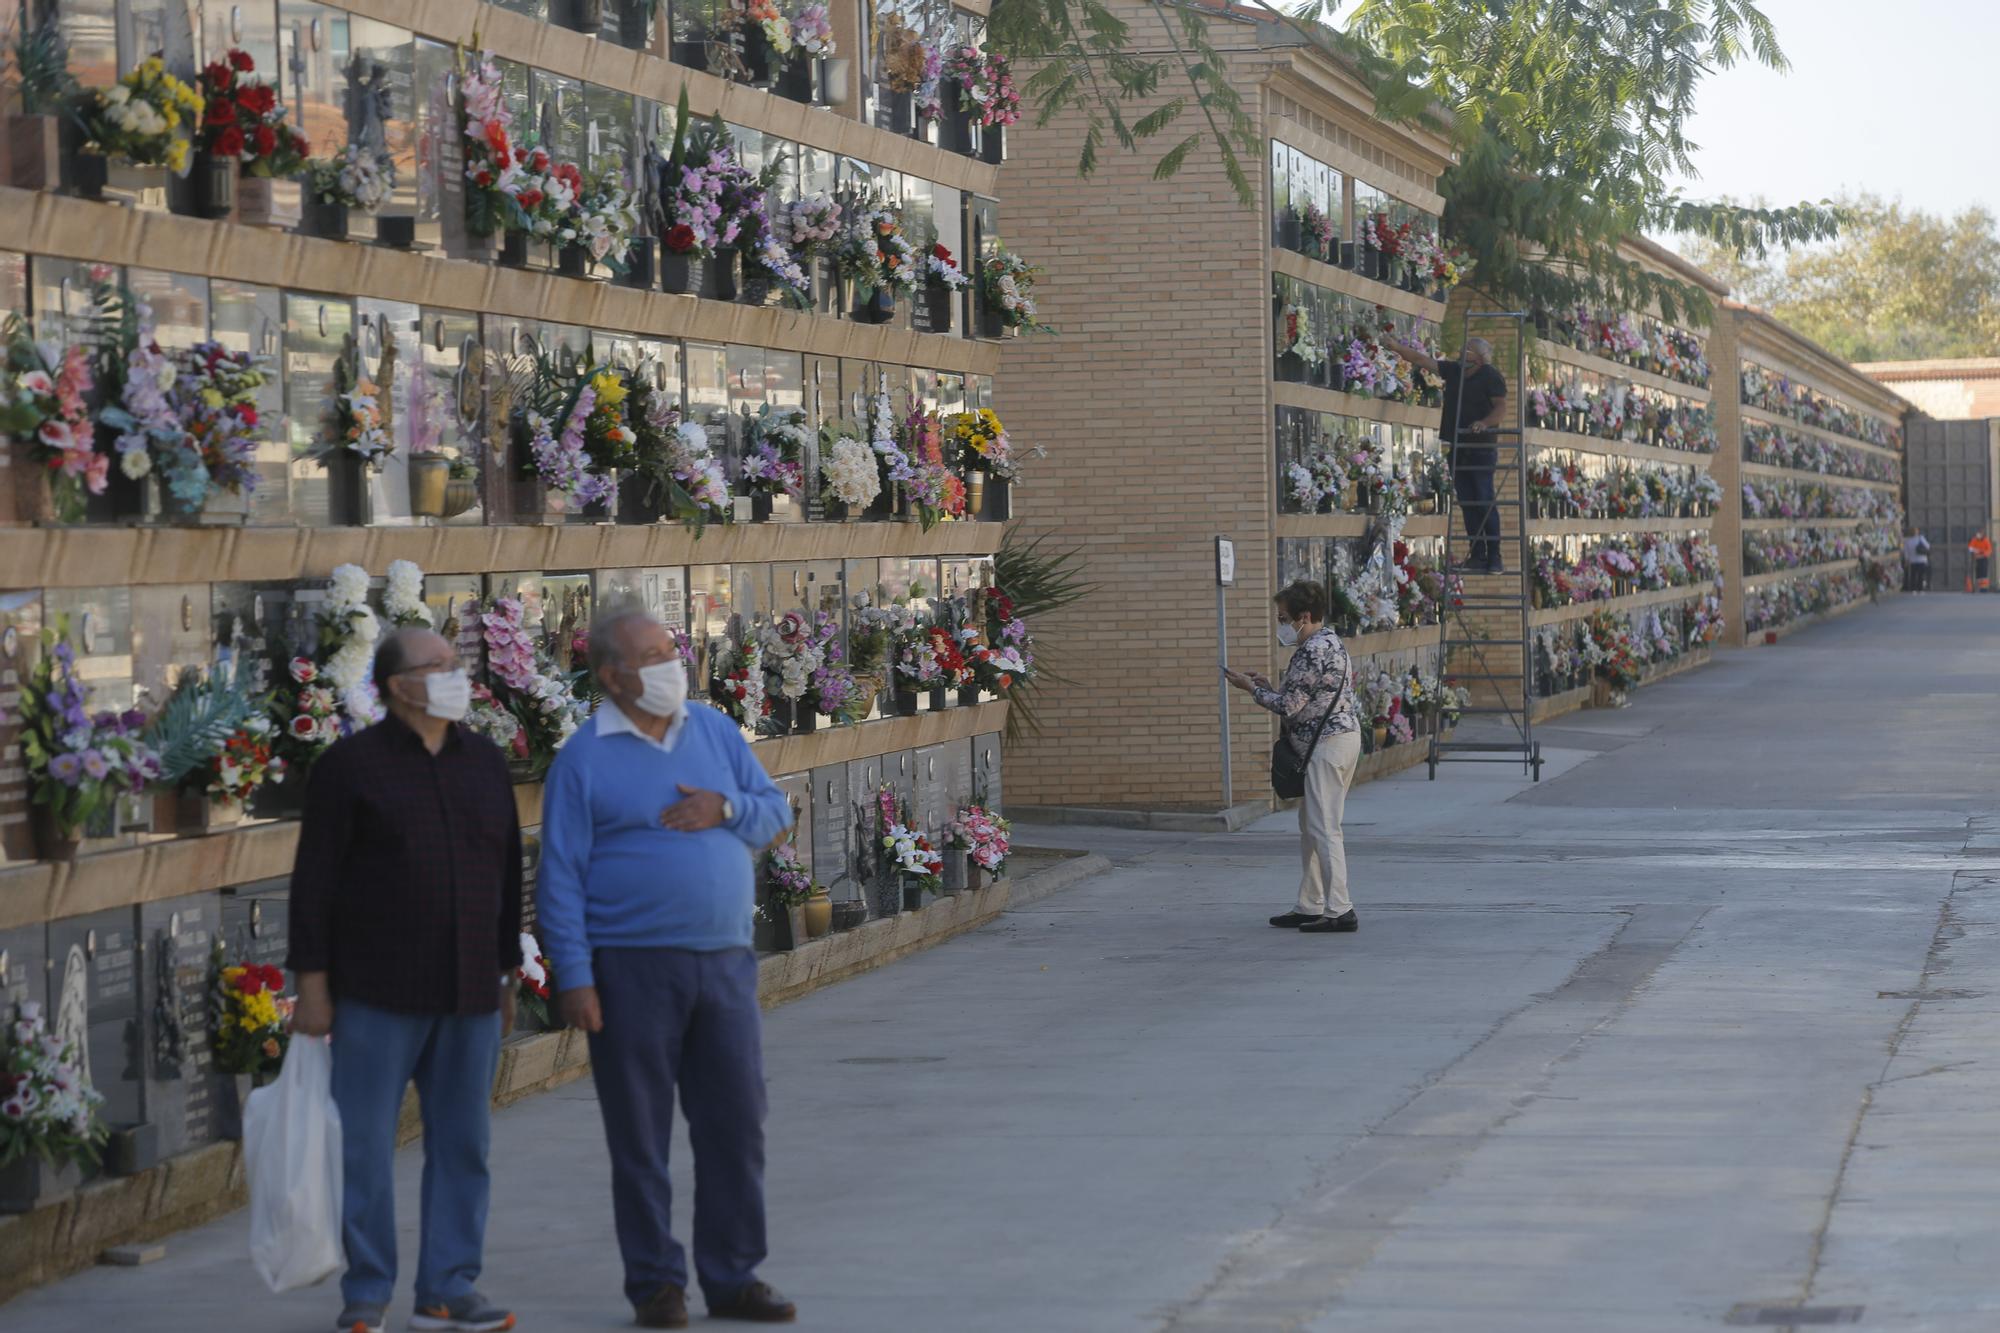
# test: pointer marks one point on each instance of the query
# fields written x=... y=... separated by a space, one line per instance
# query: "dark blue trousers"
x=1472 y=481
x=673 y=1017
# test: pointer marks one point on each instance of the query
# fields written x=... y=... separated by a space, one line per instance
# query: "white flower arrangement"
x=404 y=599
x=852 y=476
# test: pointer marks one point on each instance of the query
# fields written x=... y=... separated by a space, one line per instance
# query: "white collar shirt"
x=612 y=720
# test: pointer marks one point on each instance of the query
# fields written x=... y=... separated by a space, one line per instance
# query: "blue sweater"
x=611 y=876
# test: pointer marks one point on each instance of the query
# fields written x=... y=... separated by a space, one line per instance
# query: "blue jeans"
x=677 y=1017
x=1472 y=479
x=376 y=1053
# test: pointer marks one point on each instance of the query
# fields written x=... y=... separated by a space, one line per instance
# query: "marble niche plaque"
x=177 y=938
x=94 y=1003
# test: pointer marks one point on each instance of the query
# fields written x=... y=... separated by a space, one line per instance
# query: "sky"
x=1894 y=98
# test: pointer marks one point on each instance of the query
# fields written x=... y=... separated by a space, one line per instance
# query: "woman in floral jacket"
x=1318 y=686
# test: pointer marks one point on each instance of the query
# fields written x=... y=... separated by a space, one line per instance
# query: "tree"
x=1898 y=284
x=1570 y=117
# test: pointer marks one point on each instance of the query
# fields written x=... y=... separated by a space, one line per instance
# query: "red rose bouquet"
x=245 y=120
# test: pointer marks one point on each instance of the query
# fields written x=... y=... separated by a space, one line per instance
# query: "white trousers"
x=1323 y=890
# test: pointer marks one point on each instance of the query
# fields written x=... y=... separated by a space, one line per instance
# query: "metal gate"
x=1950 y=475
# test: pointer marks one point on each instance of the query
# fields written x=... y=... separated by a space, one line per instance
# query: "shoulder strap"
x=1325 y=718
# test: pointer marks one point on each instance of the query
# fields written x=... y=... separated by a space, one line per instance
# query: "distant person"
x=1980 y=548
x=1916 y=562
x=1475 y=403
x=1315 y=704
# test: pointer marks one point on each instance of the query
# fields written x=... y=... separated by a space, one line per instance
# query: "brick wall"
x=1154 y=405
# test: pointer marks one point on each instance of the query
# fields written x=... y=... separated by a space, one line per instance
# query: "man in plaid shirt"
x=406 y=918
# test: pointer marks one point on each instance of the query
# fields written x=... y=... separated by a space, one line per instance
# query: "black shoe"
x=1344 y=924
x=758 y=1303
x=667 y=1309
x=1287 y=919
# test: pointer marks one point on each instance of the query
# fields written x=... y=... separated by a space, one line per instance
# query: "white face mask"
x=1288 y=634
x=448 y=694
x=663 y=688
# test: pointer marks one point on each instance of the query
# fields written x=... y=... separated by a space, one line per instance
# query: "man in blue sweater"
x=651 y=819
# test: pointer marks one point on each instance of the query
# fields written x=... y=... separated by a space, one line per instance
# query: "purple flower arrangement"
x=561 y=461
x=78 y=763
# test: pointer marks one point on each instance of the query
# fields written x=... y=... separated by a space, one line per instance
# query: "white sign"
x=1225 y=562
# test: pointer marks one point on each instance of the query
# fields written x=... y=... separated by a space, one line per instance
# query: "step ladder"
x=1485 y=642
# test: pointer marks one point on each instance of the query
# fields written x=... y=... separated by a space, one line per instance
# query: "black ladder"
x=1484 y=639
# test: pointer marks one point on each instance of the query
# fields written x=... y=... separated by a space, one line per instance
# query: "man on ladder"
x=1475 y=394
x=1980 y=548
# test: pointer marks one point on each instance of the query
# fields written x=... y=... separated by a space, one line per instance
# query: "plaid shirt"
x=1319 y=676
x=407 y=885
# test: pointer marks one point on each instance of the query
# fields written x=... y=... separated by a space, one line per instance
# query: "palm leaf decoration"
x=199 y=717
x=1038 y=580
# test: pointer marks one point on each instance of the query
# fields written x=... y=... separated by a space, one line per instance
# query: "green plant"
x=41 y=67
x=197 y=720
x=1038 y=580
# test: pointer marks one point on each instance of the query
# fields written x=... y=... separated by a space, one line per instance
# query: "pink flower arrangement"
x=510 y=651
x=984 y=836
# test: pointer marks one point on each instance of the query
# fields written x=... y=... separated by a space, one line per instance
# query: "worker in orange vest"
x=1980 y=548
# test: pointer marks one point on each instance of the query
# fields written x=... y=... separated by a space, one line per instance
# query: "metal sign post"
x=1225 y=578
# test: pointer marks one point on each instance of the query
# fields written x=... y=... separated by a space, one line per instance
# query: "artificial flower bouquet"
x=1007 y=285
x=250 y=1013
x=872 y=251
x=43 y=388
x=149 y=118
x=985 y=85
x=928 y=659
x=535 y=985
x=907 y=853
x=738 y=683
x=78 y=763
x=329 y=692
x=774 y=463
x=672 y=456
x=48 y=1109
x=984 y=837
x=355 y=177
x=524 y=679
x=245 y=120
x=848 y=467
x=787 y=882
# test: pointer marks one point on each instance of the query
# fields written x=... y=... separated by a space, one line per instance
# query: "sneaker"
x=1286 y=919
x=361 y=1319
x=1344 y=924
x=758 y=1303
x=667 y=1309
x=470 y=1313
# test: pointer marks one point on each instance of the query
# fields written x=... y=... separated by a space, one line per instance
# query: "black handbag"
x=1288 y=770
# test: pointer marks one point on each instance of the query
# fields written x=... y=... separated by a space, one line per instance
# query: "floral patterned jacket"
x=1319 y=674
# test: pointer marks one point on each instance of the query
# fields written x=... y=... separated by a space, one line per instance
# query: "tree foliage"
x=1570 y=118
x=1898 y=284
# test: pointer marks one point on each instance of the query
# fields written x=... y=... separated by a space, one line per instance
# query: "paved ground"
x=1704 y=1021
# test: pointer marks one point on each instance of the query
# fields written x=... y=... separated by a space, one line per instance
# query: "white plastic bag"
x=291 y=1152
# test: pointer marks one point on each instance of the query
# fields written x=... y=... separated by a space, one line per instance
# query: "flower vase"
x=760 y=508
x=968 y=696
x=805 y=718
x=975 y=494
x=789 y=929
x=460 y=494
x=818 y=914
x=904 y=702
x=756 y=54
x=797 y=77
x=396 y=231
x=513 y=249
x=756 y=286
x=638 y=272
x=265 y=202
x=208 y=190
x=218 y=813
x=1381 y=737
x=913 y=894
x=1288 y=230
x=1291 y=368
x=902 y=109
x=430 y=475
x=579 y=15
x=229 y=1106
x=681 y=273
x=940 y=698
x=718 y=276
x=573 y=261
x=932 y=308
x=324 y=220
x=1001 y=509
x=28 y=1183
x=993 y=144
x=281 y=800
x=877 y=307
x=849 y=913
x=632 y=23
x=53 y=843
x=954 y=870
x=955 y=129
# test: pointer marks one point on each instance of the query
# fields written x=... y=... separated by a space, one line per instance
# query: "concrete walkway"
x=1704 y=1023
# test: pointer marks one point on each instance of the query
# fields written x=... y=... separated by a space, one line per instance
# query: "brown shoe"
x=667 y=1309
x=758 y=1303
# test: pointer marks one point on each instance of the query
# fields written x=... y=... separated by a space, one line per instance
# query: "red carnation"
x=267 y=140
x=218 y=77
x=680 y=238
x=229 y=143
x=258 y=99
x=241 y=60
x=220 y=112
